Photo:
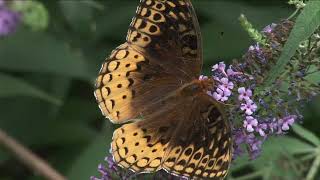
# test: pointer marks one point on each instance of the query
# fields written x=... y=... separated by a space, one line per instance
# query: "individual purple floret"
x=261 y=129
x=254 y=145
x=286 y=122
x=269 y=28
x=258 y=52
x=250 y=123
x=248 y=107
x=244 y=94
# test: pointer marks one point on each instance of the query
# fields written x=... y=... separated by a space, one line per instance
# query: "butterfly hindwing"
x=139 y=149
x=207 y=149
x=195 y=144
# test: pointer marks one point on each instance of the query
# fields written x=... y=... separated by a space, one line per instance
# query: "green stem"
x=293 y=14
x=314 y=168
x=308 y=157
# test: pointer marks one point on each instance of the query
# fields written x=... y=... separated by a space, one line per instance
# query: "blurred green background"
x=47 y=82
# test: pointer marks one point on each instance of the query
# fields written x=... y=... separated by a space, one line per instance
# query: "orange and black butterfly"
x=151 y=83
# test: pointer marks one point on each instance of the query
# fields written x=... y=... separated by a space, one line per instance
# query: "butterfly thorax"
x=196 y=87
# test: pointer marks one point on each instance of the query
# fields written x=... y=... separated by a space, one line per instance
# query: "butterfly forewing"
x=163 y=51
x=168 y=31
x=128 y=82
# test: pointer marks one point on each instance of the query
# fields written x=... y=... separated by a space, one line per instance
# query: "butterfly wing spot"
x=178 y=167
x=211 y=163
x=147 y=27
x=211 y=144
x=157 y=17
x=123 y=152
x=225 y=144
x=107 y=78
x=183 y=15
x=121 y=54
x=182 y=3
x=133 y=146
x=139 y=39
x=155 y=163
x=197 y=156
x=189 y=170
x=212 y=175
x=145 y=12
x=198 y=172
x=182 y=28
x=131 y=159
x=219 y=174
x=188 y=151
x=158 y=6
x=217 y=165
x=142 y=162
x=113 y=65
x=171 y=4
x=149 y=2
x=224 y=172
x=170 y=162
x=172 y=14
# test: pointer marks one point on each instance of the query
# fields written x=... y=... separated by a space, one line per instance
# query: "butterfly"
x=151 y=85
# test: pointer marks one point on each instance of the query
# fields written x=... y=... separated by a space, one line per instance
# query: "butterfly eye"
x=191 y=89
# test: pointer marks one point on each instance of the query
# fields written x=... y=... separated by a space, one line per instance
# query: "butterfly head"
x=197 y=86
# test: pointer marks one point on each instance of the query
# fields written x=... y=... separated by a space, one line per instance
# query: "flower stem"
x=293 y=14
x=28 y=158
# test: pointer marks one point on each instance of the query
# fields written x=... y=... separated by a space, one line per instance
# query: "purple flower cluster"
x=9 y=20
x=256 y=50
x=269 y=28
x=224 y=86
x=235 y=87
x=111 y=171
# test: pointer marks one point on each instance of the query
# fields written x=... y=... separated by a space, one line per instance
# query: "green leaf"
x=223 y=37
x=78 y=14
x=272 y=150
x=12 y=86
x=87 y=163
x=315 y=76
x=307 y=22
x=276 y=147
x=307 y=135
x=39 y=52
